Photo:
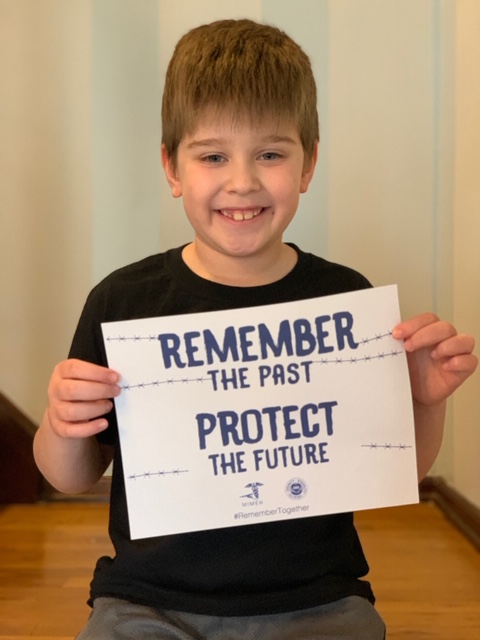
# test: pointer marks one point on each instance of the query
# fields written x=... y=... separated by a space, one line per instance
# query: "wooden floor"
x=425 y=574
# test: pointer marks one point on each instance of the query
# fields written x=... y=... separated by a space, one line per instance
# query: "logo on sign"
x=254 y=495
x=296 y=489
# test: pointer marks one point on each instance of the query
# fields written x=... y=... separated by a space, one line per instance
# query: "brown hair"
x=249 y=70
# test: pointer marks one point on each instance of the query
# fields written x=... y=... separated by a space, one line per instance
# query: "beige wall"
x=45 y=188
x=79 y=169
x=81 y=191
x=466 y=405
x=125 y=136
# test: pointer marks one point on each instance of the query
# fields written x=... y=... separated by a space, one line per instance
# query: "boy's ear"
x=171 y=173
x=308 y=170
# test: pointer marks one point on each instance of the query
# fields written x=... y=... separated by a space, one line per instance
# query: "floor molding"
x=461 y=512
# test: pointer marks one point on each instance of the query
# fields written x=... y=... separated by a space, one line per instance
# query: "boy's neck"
x=249 y=271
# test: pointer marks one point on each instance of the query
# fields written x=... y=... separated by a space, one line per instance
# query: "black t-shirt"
x=245 y=570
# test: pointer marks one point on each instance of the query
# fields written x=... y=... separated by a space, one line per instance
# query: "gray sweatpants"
x=353 y=618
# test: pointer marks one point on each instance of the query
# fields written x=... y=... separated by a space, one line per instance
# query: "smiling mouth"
x=241 y=214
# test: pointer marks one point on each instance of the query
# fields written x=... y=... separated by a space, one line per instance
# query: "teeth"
x=239 y=215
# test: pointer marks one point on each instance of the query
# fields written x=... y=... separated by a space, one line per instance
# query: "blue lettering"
x=311 y=454
x=309 y=432
x=323 y=453
x=328 y=406
x=249 y=426
x=288 y=422
x=304 y=339
x=170 y=343
x=272 y=414
x=284 y=340
x=294 y=376
x=343 y=327
x=205 y=429
x=192 y=349
x=228 y=421
x=322 y=334
x=250 y=343
x=229 y=345
x=245 y=344
x=247 y=437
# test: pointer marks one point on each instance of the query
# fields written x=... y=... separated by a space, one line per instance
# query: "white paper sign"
x=267 y=413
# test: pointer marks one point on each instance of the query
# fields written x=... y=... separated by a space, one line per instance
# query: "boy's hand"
x=439 y=359
x=78 y=394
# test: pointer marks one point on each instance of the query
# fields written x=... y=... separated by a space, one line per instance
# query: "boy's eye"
x=270 y=155
x=214 y=158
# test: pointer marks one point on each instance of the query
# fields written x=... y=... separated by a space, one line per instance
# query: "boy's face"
x=240 y=186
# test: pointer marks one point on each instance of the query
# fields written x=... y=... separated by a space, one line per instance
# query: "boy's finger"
x=81 y=370
x=75 y=412
x=454 y=346
x=462 y=364
x=420 y=333
x=84 y=429
x=77 y=391
x=409 y=327
x=430 y=336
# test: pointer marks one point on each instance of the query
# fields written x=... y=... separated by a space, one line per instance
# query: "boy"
x=240 y=139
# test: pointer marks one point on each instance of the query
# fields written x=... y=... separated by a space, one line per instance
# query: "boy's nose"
x=242 y=179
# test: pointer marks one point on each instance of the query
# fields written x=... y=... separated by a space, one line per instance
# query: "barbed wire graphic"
x=351 y=360
x=354 y=360
x=154 y=338
x=162 y=474
x=134 y=338
x=387 y=446
x=168 y=381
